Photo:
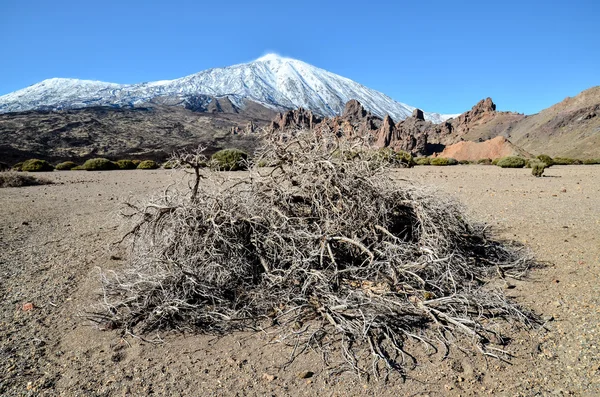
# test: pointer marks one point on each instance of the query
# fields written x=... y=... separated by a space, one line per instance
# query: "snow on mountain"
x=274 y=81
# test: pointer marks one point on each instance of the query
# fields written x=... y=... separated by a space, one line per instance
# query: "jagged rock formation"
x=414 y=134
x=249 y=128
x=298 y=118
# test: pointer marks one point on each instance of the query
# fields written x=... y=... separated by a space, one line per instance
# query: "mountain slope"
x=570 y=128
x=273 y=81
x=141 y=132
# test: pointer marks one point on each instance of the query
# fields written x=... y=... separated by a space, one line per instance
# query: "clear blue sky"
x=441 y=55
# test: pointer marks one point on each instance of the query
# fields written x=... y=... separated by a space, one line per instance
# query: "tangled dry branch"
x=324 y=247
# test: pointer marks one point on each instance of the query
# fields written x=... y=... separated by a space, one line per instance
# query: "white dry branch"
x=325 y=247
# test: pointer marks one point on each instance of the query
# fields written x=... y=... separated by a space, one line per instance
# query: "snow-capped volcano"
x=273 y=81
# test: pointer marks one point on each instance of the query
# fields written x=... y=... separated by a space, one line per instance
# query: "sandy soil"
x=54 y=238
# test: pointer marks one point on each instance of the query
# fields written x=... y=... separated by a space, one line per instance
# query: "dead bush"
x=16 y=179
x=323 y=247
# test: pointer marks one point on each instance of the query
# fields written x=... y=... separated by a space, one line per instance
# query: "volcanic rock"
x=385 y=134
x=418 y=114
x=295 y=119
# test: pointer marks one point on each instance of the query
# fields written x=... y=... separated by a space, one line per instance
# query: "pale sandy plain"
x=54 y=238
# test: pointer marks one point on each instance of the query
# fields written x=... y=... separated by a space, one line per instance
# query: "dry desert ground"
x=54 y=238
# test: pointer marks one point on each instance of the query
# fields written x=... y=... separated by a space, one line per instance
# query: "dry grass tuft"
x=325 y=248
x=17 y=179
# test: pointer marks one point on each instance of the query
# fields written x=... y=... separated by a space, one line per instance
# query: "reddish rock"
x=385 y=133
x=418 y=114
x=414 y=134
x=354 y=111
x=295 y=119
x=490 y=149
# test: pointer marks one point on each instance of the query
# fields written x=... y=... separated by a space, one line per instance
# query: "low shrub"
x=377 y=158
x=126 y=164
x=78 y=168
x=441 y=161
x=99 y=164
x=537 y=168
x=229 y=160
x=566 y=161
x=484 y=161
x=591 y=161
x=347 y=154
x=147 y=165
x=15 y=179
x=422 y=160
x=65 y=166
x=394 y=158
x=495 y=161
x=465 y=162
x=18 y=166
x=511 y=162
x=35 y=165
x=544 y=158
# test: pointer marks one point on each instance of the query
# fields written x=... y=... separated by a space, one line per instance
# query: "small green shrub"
x=65 y=166
x=396 y=158
x=229 y=160
x=566 y=161
x=136 y=162
x=495 y=161
x=537 y=168
x=544 y=158
x=126 y=164
x=99 y=164
x=78 y=168
x=511 y=162
x=35 y=165
x=422 y=160
x=591 y=161
x=443 y=161
x=147 y=165
x=484 y=161
x=18 y=166
x=465 y=162
x=347 y=154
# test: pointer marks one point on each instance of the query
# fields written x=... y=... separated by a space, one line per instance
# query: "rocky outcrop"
x=221 y=105
x=408 y=135
x=413 y=134
x=386 y=133
x=354 y=111
x=295 y=119
x=483 y=111
x=493 y=148
x=418 y=114
x=247 y=129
